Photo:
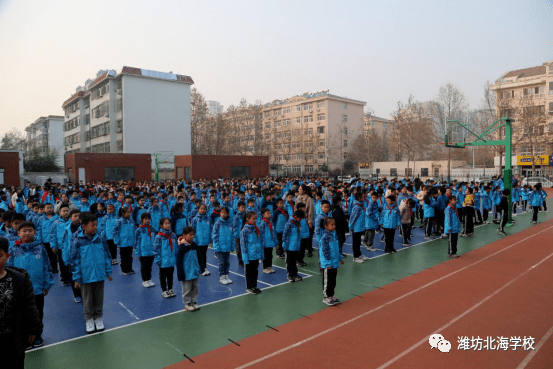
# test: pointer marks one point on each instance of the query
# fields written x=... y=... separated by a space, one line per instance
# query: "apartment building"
x=132 y=110
x=527 y=96
x=380 y=125
x=214 y=107
x=47 y=134
x=301 y=134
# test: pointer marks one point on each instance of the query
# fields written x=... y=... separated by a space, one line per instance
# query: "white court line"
x=454 y=320
x=130 y=312
x=175 y=348
x=533 y=353
x=158 y=317
x=297 y=344
x=243 y=276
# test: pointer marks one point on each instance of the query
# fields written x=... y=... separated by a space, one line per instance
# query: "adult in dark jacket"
x=19 y=321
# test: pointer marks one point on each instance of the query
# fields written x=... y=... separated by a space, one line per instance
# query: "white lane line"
x=533 y=353
x=454 y=320
x=130 y=312
x=175 y=348
x=243 y=276
x=297 y=344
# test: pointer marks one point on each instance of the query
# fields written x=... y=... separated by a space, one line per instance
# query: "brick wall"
x=9 y=161
x=95 y=163
x=215 y=166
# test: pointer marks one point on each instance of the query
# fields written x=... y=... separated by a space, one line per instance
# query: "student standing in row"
x=251 y=241
x=188 y=268
x=452 y=226
x=330 y=259
x=144 y=241
x=223 y=244
x=164 y=244
x=91 y=265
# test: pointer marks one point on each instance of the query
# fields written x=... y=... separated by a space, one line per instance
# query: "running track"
x=502 y=289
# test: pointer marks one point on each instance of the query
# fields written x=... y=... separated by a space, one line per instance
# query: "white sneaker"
x=272 y=270
x=166 y=294
x=150 y=283
x=223 y=279
x=363 y=257
x=99 y=323
x=228 y=279
x=359 y=260
x=145 y=284
x=206 y=273
x=90 y=328
x=267 y=270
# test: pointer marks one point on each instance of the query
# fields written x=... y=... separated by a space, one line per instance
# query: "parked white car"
x=530 y=181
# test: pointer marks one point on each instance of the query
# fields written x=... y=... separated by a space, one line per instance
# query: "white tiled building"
x=130 y=111
x=46 y=134
x=215 y=107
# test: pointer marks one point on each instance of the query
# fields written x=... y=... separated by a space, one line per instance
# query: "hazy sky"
x=378 y=52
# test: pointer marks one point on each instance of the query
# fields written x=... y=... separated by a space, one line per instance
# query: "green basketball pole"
x=481 y=140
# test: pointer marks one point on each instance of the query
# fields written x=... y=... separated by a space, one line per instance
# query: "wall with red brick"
x=215 y=166
x=94 y=164
x=9 y=161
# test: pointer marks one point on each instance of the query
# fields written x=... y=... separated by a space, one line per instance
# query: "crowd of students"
x=80 y=230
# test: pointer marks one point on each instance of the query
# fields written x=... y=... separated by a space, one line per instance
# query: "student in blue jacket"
x=202 y=228
x=91 y=266
x=251 y=243
x=357 y=227
x=144 y=242
x=123 y=236
x=269 y=240
x=524 y=195
x=305 y=236
x=44 y=229
x=544 y=197
x=178 y=218
x=164 y=251
x=536 y=201
x=106 y=226
x=429 y=211
x=452 y=226
x=237 y=222
x=291 y=242
x=486 y=203
x=280 y=217
x=496 y=199
x=223 y=244
x=371 y=221
x=188 y=268
x=156 y=213
x=31 y=255
x=390 y=219
x=330 y=259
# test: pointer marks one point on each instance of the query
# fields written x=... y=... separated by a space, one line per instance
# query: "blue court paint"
x=126 y=301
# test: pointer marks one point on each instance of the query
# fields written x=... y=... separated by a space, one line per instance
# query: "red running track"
x=502 y=289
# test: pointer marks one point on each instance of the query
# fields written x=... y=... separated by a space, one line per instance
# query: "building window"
x=321 y=143
x=320 y=129
x=118 y=105
x=345 y=131
x=310 y=131
x=408 y=172
x=424 y=172
x=285 y=110
x=298 y=120
x=393 y=172
x=308 y=106
x=345 y=143
x=277 y=123
x=320 y=117
x=297 y=108
x=285 y=122
x=308 y=118
x=344 y=118
x=309 y=168
x=320 y=104
x=321 y=155
x=120 y=146
x=345 y=156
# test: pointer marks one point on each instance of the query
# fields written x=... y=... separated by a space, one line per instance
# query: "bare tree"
x=14 y=139
x=449 y=104
x=368 y=148
x=200 y=123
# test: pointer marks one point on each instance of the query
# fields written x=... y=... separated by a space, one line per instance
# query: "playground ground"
x=499 y=288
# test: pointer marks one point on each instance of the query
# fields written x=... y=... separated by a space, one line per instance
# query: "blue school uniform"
x=269 y=234
x=164 y=249
x=90 y=259
x=371 y=216
x=357 y=218
x=187 y=260
x=156 y=215
x=178 y=223
x=451 y=220
x=280 y=217
x=251 y=243
x=237 y=222
x=34 y=259
x=329 y=251
x=291 y=237
x=202 y=227
x=223 y=240
x=123 y=233
x=318 y=229
x=390 y=217
x=144 y=240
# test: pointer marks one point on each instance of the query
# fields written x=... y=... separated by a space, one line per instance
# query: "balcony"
x=551 y=93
